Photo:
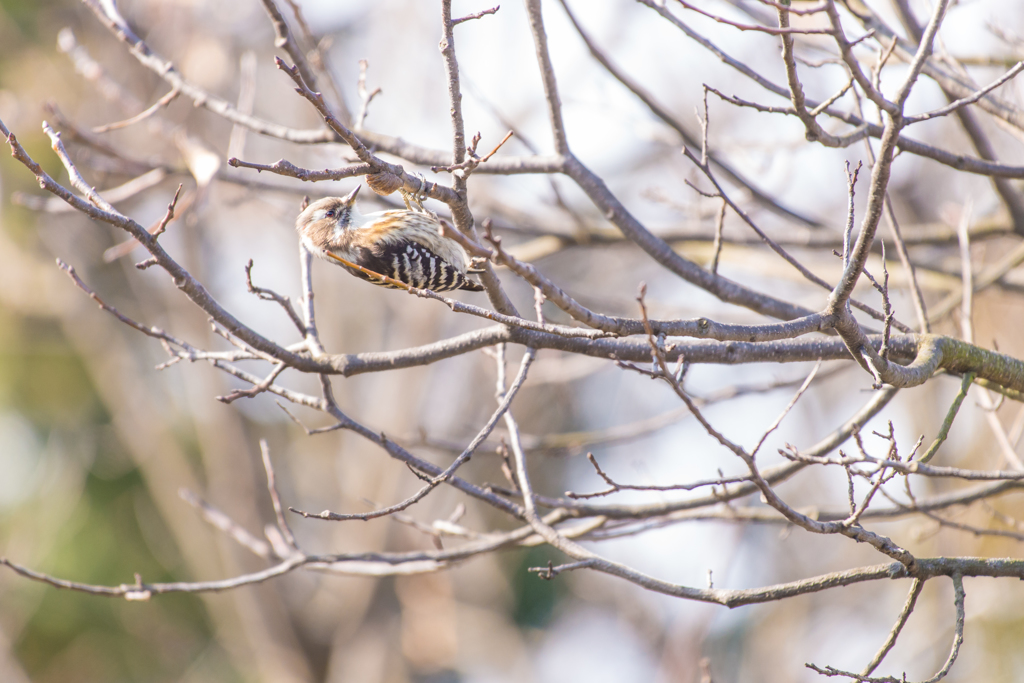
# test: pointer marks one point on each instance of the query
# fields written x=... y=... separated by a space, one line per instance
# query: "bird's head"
x=327 y=219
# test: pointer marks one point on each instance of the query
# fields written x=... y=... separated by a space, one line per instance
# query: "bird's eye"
x=330 y=213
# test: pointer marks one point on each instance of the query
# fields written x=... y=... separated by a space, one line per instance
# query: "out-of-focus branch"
x=957 y=161
x=688 y=138
x=964 y=101
x=202 y=98
x=705 y=168
x=770 y=30
x=1010 y=195
x=284 y=39
x=101 y=210
x=949 y=81
x=157 y=106
x=434 y=482
x=723 y=288
x=114 y=195
x=603 y=199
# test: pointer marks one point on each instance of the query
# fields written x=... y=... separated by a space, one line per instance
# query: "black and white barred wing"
x=413 y=264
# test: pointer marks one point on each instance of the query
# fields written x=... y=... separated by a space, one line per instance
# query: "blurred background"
x=95 y=443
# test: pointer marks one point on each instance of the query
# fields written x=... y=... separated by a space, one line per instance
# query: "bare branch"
x=275 y=497
x=547 y=74
x=225 y=524
x=963 y=102
x=781 y=31
x=688 y=138
x=958 y=639
x=287 y=168
x=950 y=416
x=476 y=15
x=157 y=106
x=271 y=295
x=365 y=95
x=446 y=475
x=915 y=591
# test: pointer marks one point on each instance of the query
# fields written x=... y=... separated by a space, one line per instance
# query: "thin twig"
x=446 y=475
x=771 y=30
x=141 y=116
x=275 y=497
x=271 y=295
x=915 y=591
x=365 y=95
x=223 y=523
x=965 y=384
x=476 y=15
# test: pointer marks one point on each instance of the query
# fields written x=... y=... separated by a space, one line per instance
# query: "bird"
x=403 y=245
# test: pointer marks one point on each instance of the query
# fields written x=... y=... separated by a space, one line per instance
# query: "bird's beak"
x=351 y=196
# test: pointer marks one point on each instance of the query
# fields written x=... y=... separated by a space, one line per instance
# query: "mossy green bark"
x=960 y=357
